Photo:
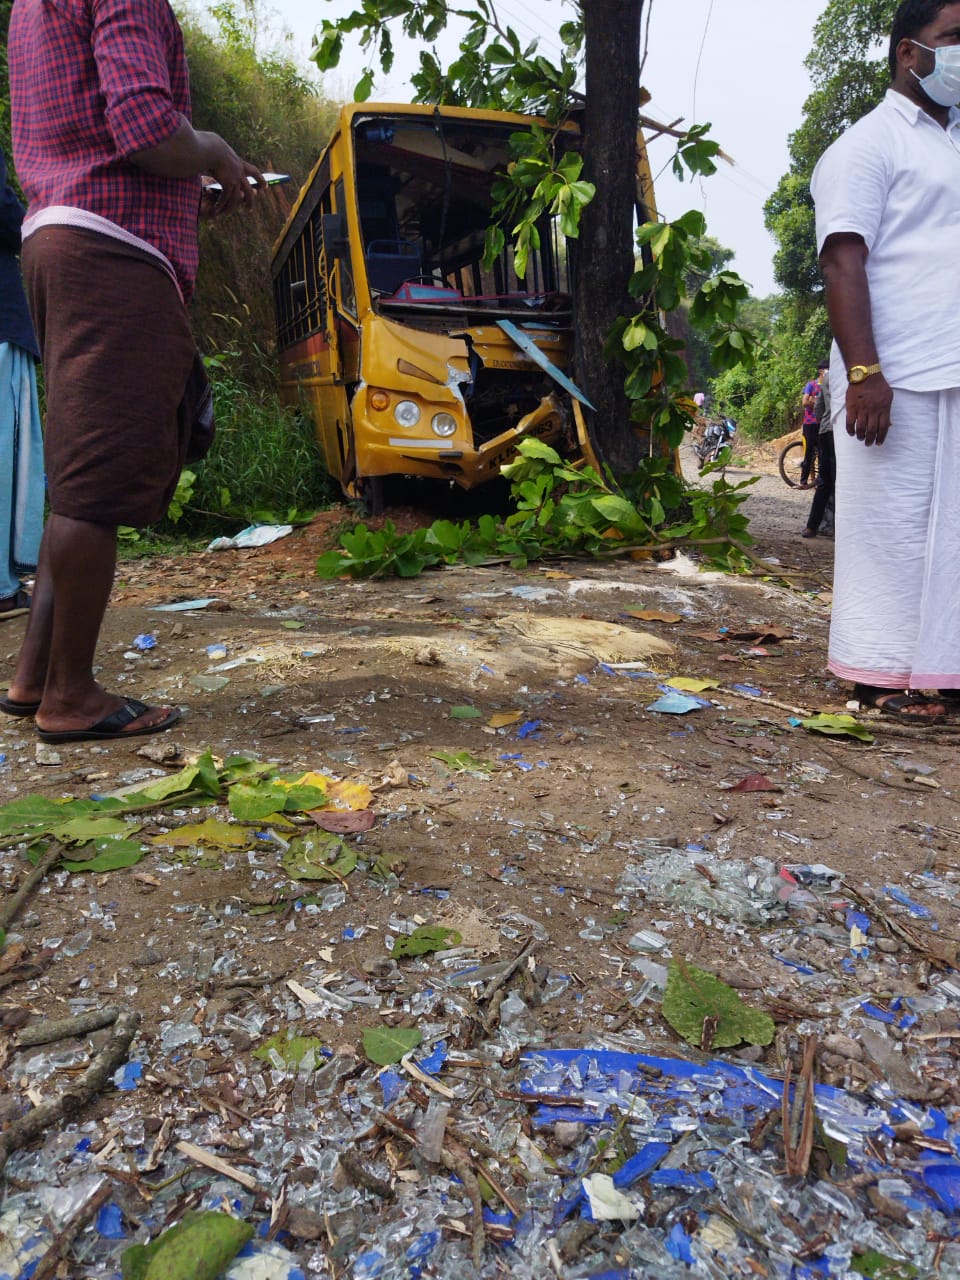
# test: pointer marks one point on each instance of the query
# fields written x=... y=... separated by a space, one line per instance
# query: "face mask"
x=942 y=85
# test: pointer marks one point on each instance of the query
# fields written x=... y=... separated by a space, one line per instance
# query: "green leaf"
x=465 y=713
x=387 y=1045
x=292 y=1049
x=837 y=726
x=302 y=797
x=207 y=779
x=80 y=830
x=693 y=995
x=878 y=1266
x=222 y=835
x=200 y=1247
x=107 y=855
x=534 y=448
x=251 y=801
x=462 y=762
x=163 y=788
x=363 y=87
x=321 y=855
x=425 y=939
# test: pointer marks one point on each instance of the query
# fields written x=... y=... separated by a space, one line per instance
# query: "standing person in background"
x=887 y=201
x=111 y=166
x=826 y=459
x=810 y=426
x=21 y=442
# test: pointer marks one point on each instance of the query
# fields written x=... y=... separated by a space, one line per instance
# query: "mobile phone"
x=271 y=179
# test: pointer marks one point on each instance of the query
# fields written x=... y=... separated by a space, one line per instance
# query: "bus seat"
x=390 y=262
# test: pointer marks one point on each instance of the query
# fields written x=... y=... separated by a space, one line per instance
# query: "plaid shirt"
x=92 y=82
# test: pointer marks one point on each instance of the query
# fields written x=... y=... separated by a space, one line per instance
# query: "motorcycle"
x=716 y=436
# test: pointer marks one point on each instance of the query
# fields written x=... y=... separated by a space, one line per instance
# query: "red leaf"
x=756 y=782
x=343 y=822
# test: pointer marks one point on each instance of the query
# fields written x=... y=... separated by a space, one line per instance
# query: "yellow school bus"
x=412 y=357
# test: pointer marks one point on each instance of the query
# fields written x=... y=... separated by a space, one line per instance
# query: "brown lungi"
x=117 y=353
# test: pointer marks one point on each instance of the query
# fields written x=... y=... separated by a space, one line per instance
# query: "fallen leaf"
x=500 y=719
x=693 y=995
x=387 y=1045
x=222 y=835
x=198 y=1248
x=837 y=726
x=425 y=939
x=465 y=713
x=755 y=782
x=343 y=821
x=762 y=635
x=653 y=615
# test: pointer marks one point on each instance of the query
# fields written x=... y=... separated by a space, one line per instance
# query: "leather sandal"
x=897 y=703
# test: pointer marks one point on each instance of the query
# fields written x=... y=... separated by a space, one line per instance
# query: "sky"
x=737 y=64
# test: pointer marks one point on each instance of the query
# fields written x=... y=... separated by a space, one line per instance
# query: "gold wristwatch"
x=860 y=372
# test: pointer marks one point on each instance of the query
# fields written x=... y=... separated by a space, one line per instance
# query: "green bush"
x=264 y=466
x=765 y=400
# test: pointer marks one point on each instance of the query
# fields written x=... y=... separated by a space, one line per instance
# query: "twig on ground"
x=64 y=1028
x=49 y=1263
x=9 y=909
x=360 y=1175
x=77 y=1094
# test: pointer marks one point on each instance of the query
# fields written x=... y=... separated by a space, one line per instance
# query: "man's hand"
x=190 y=152
x=232 y=173
x=868 y=409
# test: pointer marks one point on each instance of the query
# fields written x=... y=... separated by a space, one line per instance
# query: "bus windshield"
x=424 y=197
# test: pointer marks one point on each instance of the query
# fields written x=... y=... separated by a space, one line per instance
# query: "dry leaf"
x=500 y=719
x=653 y=615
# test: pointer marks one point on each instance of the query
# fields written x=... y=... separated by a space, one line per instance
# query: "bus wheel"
x=372 y=494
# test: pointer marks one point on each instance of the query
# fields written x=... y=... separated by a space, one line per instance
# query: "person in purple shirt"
x=111 y=167
x=811 y=427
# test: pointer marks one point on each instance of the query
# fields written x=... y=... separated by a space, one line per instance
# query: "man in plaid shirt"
x=111 y=166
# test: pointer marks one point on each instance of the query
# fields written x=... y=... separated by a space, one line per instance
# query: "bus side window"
x=348 y=295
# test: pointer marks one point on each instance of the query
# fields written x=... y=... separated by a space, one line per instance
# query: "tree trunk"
x=605 y=256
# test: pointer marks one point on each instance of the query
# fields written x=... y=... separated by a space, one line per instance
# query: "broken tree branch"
x=77 y=1094
x=64 y=1028
x=9 y=909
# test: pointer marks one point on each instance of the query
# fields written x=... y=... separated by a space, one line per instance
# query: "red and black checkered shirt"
x=91 y=83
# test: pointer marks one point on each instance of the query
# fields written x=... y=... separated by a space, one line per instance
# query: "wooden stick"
x=63 y=1028
x=13 y=904
x=210 y=1161
x=49 y=1263
x=77 y=1094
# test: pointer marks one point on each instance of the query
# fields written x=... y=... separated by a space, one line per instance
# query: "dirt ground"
x=533 y=843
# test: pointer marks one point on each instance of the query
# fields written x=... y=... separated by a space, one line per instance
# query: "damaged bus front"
x=410 y=355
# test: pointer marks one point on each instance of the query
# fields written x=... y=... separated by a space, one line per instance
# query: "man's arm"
x=843 y=261
x=190 y=152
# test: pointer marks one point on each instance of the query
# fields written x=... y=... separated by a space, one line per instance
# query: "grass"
x=264 y=468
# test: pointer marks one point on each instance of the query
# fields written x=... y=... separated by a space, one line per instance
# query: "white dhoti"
x=896 y=602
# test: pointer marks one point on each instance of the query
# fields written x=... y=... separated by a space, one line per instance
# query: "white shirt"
x=894 y=179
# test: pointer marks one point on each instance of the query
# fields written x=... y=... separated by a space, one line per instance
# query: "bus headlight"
x=444 y=424
x=406 y=413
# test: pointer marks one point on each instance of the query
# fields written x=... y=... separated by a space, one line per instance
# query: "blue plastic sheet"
x=590 y=1083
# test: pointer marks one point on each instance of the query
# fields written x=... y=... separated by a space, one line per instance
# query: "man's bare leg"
x=55 y=667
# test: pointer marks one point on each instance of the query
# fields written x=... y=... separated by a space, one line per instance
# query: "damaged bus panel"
x=411 y=356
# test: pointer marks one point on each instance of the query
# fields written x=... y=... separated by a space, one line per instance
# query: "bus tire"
x=372 y=495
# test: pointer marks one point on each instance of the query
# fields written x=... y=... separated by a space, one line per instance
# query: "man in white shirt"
x=887 y=197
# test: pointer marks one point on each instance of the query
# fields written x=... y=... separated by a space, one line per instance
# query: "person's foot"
x=908 y=706
x=809 y=533
x=103 y=716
